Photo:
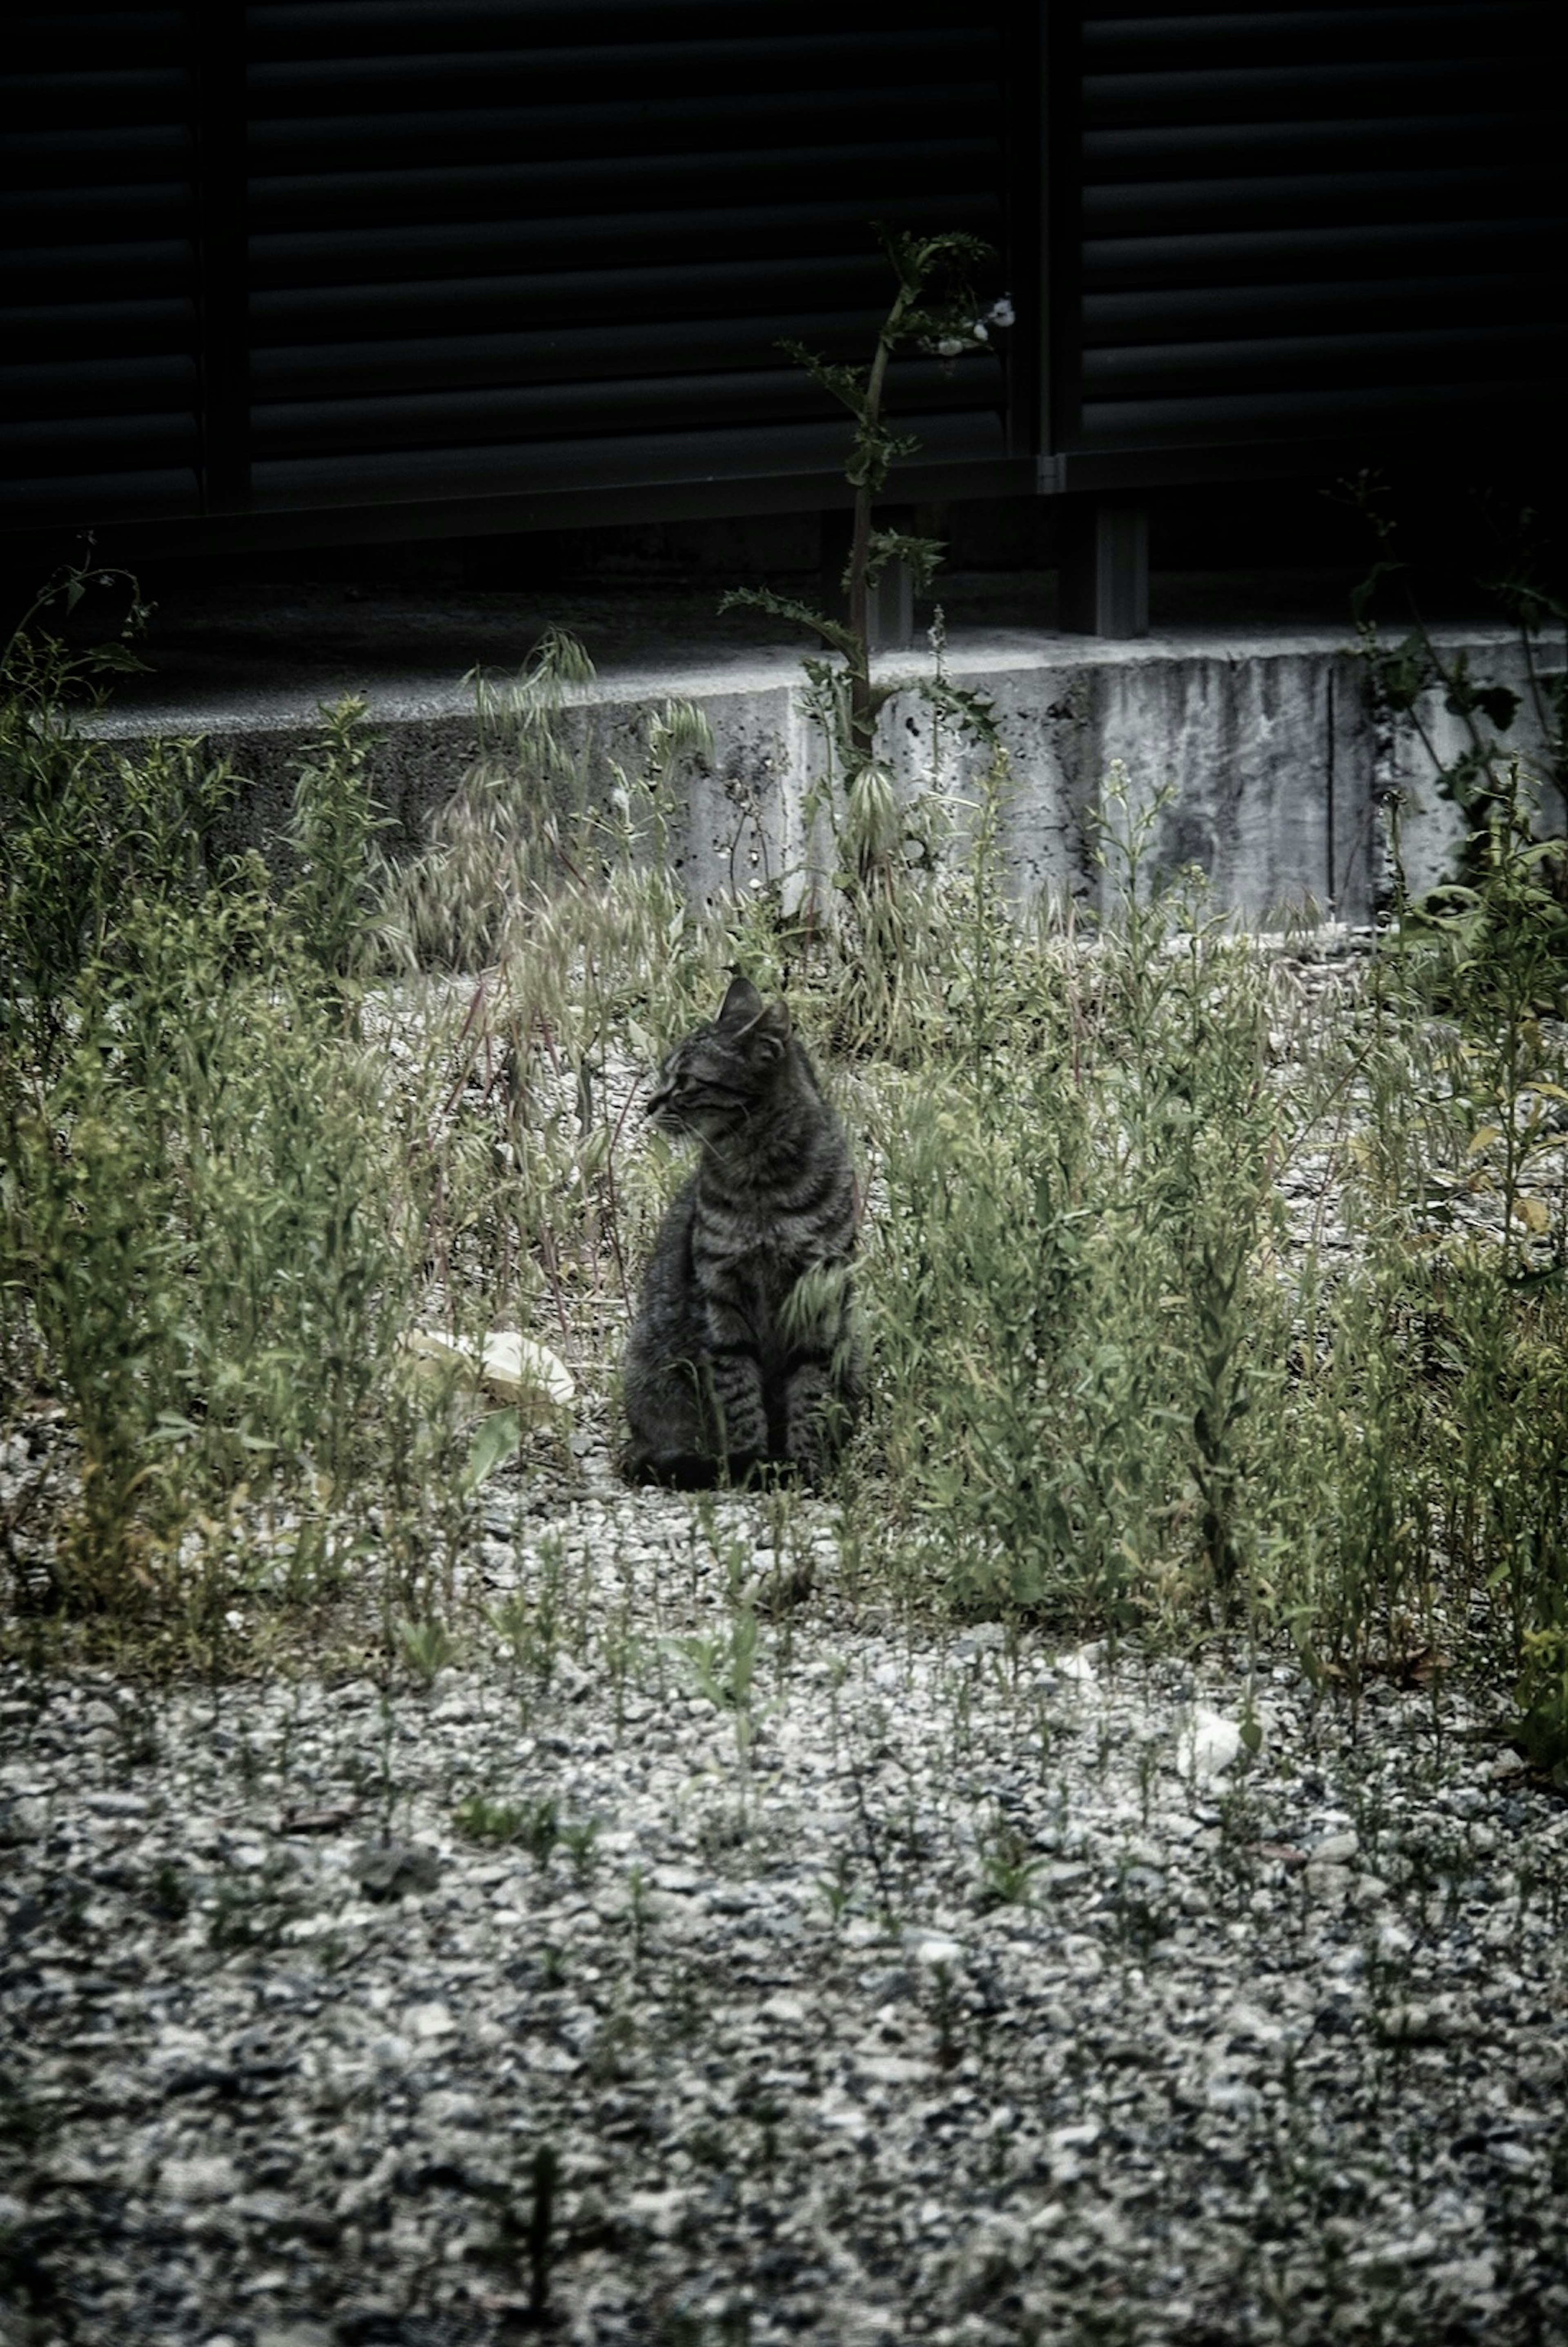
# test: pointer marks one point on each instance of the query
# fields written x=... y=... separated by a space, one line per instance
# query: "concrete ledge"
x=1264 y=738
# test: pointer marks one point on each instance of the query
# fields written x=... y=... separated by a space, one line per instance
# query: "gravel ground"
x=942 y=1989
x=703 y=1956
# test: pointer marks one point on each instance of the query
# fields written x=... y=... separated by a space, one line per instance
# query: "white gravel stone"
x=197 y=2180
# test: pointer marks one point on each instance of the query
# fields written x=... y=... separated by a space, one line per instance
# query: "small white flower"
x=949 y=346
x=978 y=331
x=1001 y=312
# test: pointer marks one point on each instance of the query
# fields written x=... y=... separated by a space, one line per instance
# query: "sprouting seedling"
x=426 y=1647
x=528 y=1621
x=724 y=1670
x=637 y=1906
x=578 y=1839
x=838 y=1888
x=480 y=1820
x=1008 y=1866
x=512 y=1621
x=541 y=1829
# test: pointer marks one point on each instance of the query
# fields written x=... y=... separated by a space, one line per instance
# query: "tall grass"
x=218 y=1208
x=1071 y=1315
x=250 y=1139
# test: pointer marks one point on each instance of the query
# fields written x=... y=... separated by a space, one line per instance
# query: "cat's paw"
x=676 y=1470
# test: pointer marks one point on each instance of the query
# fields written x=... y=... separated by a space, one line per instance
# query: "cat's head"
x=721 y=1073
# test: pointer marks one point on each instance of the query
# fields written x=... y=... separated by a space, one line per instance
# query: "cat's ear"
x=762 y=1027
x=742 y=1006
x=770 y=1033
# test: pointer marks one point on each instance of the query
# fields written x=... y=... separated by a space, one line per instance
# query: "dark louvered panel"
x=1278 y=225
x=533 y=248
x=100 y=377
x=516 y=232
x=534 y=410
x=582 y=465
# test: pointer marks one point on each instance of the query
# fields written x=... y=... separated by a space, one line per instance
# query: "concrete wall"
x=1430 y=827
x=1276 y=770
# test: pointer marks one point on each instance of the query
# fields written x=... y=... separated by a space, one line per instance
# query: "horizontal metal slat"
x=1328 y=197
x=1294 y=93
x=402 y=476
x=1421 y=355
x=89 y=329
x=74 y=273
x=92 y=500
x=367 y=28
x=769 y=225
x=588 y=297
x=1503 y=402
x=492 y=276
x=123 y=385
x=564 y=355
x=541 y=75
x=78 y=100
x=379 y=202
x=51 y=158
x=112 y=443
x=514 y=251
x=33 y=217
x=98 y=40
x=1175 y=151
x=1153 y=316
x=1126 y=39
x=560 y=410
x=325 y=145
x=1279 y=255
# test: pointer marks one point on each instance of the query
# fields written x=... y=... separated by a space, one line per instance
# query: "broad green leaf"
x=496 y=1437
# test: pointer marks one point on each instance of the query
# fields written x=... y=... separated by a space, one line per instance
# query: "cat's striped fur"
x=742 y=1353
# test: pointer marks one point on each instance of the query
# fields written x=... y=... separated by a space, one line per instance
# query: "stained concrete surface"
x=1246 y=705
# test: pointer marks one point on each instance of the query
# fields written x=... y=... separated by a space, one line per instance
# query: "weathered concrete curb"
x=1276 y=769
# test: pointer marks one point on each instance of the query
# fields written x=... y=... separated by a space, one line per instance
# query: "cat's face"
x=721 y=1073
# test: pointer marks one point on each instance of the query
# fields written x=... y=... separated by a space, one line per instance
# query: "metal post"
x=1103 y=566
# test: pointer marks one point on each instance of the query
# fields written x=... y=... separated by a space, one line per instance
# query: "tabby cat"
x=742 y=1356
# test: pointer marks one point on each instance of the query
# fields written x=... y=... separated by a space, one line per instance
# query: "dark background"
x=484 y=297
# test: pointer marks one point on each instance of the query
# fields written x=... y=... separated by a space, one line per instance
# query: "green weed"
x=1110 y=1390
x=426 y=1647
x=478 y=1818
x=1008 y=1866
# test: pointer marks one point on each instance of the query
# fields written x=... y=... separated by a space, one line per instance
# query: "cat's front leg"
x=735 y=1372
x=819 y=1410
x=808 y=1444
x=822 y=1381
